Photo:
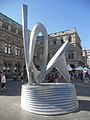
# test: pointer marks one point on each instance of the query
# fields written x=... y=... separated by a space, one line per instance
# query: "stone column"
x=1 y=65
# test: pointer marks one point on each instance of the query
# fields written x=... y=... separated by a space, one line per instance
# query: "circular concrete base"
x=49 y=98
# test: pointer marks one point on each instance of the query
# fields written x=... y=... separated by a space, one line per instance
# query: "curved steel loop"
x=38 y=75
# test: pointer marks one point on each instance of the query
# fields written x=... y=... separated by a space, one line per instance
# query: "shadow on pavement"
x=83 y=91
x=83 y=106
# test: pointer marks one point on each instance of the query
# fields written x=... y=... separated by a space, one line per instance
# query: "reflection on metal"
x=49 y=99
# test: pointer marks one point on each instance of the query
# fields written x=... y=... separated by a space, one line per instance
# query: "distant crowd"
x=83 y=75
x=56 y=77
x=53 y=77
x=3 y=79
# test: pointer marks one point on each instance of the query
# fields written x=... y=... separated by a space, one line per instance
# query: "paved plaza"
x=10 y=108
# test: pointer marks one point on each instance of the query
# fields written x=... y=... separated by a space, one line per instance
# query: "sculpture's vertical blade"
x=25 y=31
x=25 y=36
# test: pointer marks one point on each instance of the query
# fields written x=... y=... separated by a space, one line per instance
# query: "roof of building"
x=63 y=32
x=9 y=20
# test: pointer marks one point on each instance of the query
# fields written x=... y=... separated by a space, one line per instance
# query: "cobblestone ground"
x=10 y=104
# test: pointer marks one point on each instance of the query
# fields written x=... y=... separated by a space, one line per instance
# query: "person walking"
x=81 y=76
x=3 y=82
x=21 y=76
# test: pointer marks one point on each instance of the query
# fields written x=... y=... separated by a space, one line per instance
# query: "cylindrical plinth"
x=49 y=98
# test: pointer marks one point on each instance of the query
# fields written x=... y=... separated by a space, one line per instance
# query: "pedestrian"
x=60 y=78
x=56 y=76
x=87 y=77
x=81 y=76
x=0 y=76
x=51 y=78
x=21 y=76
x=14 y=76
x=3 y=82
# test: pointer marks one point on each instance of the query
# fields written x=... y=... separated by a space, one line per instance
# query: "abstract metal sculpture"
x=46 y=98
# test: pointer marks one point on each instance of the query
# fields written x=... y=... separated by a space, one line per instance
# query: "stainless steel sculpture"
x=46 y=98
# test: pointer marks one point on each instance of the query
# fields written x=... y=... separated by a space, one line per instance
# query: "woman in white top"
x=3 y=82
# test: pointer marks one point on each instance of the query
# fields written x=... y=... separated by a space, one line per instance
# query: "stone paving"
x=10 y=108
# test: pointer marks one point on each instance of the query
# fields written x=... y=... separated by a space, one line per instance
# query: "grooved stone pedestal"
x=49 y=98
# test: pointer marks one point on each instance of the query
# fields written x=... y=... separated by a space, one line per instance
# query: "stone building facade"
x=88 y=57
x=12 y=51
x=11 y=46
x=74 y=55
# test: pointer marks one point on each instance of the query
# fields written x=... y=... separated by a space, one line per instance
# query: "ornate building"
x=88 y=57
x=12 y=51
x=11 y=46
x=74 y=54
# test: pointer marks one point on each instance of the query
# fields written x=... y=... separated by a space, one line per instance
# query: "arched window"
x=54 y=42
x=5 y=25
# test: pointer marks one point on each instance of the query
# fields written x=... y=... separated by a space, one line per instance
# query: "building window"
x=8 y=67
x=54 y=42
x=5 y=25
x=4 y=67
x=62 y=40
x=13 y=29
x=20 y=32
x=17 y=51
x=71 y=56
x=40 y=42
x=17 y=67
x=48 y=56
x=69 y=39
x=7 y=48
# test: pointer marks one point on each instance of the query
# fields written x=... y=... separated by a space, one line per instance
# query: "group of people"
x=3 y=81
x=21 y=76
x=84 y=76
x=54 y=77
